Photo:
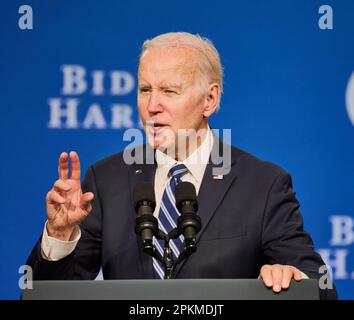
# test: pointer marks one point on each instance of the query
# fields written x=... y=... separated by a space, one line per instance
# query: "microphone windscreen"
x=185 y=191
x=144 y=191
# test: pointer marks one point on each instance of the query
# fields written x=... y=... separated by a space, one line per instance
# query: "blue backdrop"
x=287 y=98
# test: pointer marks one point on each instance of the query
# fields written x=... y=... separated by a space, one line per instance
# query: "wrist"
x=63 y=234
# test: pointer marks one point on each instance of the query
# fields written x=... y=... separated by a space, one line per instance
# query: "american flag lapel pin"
x=218 y=177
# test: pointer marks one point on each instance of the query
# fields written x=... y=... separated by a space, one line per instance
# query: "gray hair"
x=209 y=66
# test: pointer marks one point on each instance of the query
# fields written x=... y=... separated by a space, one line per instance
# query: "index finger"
x=75 y=165
x=63 y=167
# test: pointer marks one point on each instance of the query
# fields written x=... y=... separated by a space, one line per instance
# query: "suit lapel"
x=211 y=193
x=142 y=173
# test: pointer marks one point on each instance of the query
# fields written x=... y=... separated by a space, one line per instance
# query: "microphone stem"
x=168 y=259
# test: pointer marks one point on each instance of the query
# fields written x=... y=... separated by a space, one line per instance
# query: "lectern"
x=177 y=289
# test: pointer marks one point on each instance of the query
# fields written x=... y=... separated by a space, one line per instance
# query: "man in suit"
x=251 y=224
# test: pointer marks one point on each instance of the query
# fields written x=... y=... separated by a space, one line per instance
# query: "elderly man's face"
x=169 y=94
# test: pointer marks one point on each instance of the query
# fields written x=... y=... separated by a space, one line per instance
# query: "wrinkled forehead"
x=168 y=63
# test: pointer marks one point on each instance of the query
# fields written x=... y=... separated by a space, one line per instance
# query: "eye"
x=144 y=89
x=169 y=91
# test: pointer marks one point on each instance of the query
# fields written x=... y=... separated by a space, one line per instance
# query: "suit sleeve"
x=85 y=261
x=284 y=240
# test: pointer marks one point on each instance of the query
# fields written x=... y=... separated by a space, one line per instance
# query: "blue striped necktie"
x=168 y=215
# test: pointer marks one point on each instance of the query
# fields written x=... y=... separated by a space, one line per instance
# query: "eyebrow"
x=171 y=85
x=163 y=86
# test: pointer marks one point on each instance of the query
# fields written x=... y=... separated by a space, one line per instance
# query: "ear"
x=211 y=100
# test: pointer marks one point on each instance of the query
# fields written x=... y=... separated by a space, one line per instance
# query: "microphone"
x=189 y=223
x=146 y=225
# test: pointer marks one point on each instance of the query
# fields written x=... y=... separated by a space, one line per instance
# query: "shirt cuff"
x=53 y=249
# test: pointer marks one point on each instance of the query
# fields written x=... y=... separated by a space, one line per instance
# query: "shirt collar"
x=195 y=163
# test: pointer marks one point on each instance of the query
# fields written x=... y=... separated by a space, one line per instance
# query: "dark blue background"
x=284 y=98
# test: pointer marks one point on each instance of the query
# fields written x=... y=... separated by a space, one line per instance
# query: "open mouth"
x=156 y=127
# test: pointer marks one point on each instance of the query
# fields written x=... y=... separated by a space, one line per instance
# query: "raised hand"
x=66 y=205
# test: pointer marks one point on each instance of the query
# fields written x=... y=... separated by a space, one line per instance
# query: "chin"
x=154 y=142
x=163 y=139
x=162 y=145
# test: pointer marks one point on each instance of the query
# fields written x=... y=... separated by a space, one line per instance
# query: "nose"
x=155 y=103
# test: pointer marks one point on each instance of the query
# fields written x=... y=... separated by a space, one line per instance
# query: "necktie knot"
x=178 y=170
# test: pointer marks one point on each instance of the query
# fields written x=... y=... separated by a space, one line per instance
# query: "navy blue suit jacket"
x=249 y=218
